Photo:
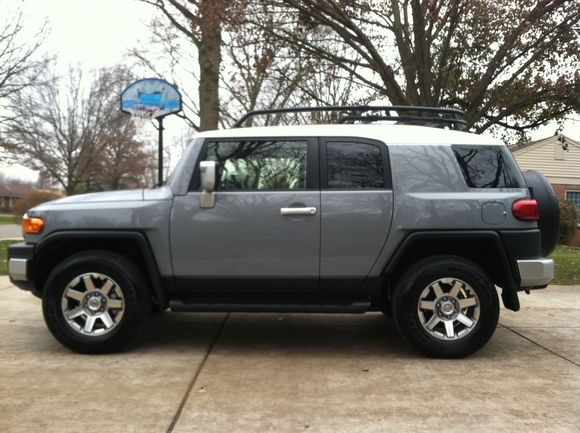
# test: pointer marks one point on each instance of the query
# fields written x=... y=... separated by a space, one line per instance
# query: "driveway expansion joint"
x=196 y=375
x=539 y=345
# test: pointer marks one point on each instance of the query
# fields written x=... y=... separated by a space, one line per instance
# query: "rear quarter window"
x=488 y=166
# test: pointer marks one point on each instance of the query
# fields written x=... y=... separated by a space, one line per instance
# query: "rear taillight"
x=526 y=210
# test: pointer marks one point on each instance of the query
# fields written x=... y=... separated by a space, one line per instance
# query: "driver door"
x=263 y=231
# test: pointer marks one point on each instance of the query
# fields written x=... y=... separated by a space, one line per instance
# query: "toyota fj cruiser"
x=411 y=219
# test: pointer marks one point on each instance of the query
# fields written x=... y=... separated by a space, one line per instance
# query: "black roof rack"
x=432 y=116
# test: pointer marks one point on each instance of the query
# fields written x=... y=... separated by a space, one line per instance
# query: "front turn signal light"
x=32 y=225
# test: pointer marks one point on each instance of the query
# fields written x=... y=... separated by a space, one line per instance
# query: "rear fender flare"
x=510 y=285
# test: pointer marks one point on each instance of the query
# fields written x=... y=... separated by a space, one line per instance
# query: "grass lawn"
x=3 y=254
x=7 y=219
x=567 y=265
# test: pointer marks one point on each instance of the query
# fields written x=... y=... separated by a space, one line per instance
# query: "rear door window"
x=488 y=167
x=353 y=165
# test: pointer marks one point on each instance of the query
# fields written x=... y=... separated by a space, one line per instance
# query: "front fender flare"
x=138 y=237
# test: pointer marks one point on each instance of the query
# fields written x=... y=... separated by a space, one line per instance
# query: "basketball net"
x=142 y=114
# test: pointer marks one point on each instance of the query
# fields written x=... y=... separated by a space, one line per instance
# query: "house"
x=558 y=158
x=10 y=193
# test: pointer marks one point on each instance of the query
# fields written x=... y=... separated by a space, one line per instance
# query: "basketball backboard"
x=151 y=98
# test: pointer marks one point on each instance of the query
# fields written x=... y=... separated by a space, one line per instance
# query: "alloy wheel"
x=93 y=304
x=448 y=309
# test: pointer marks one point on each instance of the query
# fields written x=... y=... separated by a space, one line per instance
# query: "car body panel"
x=245 y=235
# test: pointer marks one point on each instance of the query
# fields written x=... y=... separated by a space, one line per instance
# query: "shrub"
x=568 y=221
x=33 y=199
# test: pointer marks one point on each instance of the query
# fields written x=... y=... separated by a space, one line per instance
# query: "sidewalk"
x=10 y=232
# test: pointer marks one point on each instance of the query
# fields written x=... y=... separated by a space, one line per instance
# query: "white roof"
x=390 y=134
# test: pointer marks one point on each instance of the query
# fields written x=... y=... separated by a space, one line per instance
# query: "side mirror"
x=208 y=175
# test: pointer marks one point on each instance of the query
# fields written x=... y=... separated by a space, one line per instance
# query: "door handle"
x=298 y=211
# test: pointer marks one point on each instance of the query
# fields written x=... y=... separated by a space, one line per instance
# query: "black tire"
x=134 y=289
x=548 y=208
x=418 y=278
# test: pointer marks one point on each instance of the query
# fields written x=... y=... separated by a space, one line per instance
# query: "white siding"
x=542 y=157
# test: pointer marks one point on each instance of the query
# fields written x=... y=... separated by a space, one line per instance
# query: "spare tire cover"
x=549 y=222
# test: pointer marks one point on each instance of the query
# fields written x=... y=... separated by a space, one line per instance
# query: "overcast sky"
x=87 y=33
x=96 y=33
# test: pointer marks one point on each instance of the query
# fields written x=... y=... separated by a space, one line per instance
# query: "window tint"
x=354 y=165
x=260 y=165
x=488 y=167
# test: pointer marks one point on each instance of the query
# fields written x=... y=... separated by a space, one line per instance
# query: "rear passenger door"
x=356 y=208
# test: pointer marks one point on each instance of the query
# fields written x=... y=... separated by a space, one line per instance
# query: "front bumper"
x=20 y=266
x=535 y=273
x=18 y=269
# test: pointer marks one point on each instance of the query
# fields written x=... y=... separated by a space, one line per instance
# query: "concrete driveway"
x=292 y=373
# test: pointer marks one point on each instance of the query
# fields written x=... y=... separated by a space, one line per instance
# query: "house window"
x=574 y=198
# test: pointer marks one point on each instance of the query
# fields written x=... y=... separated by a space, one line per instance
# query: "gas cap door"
x=493 y=213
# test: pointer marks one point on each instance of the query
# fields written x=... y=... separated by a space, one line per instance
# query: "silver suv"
x=419 y=222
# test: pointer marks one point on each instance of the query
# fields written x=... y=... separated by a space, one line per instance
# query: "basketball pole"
x=160 y=150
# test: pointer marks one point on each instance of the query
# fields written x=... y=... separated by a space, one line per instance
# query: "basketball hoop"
x=148 y=99
x=143 y=111
x=142 y=114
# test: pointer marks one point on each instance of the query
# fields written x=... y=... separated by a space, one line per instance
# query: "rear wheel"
x=95 y=302
x=446 y=306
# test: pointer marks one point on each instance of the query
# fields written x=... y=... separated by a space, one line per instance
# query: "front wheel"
x=95 y=302
x=446 y=307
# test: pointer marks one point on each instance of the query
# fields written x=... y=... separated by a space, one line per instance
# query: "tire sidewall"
x=408 y=293
x=113 y=266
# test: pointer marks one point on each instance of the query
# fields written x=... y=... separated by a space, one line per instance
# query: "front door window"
x=260 y=165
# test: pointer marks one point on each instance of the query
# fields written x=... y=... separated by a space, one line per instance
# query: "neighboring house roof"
x=552 y=139
x=15 y=190
x=557 y=157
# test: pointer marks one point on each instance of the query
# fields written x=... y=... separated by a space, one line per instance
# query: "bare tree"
x=258 y=70
x=69 y=127
x=123 y=161
x=18 y=57
x=20 y=64
x=169 y=54
x=508 y=64
x=201 y=21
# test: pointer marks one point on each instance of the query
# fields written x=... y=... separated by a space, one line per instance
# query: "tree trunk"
x=211 y=14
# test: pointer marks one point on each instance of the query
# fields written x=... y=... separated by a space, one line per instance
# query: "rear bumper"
x=535 y=273
x=524 y=248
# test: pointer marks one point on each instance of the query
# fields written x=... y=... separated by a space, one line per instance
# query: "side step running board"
x=356 y=308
